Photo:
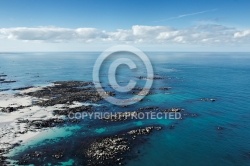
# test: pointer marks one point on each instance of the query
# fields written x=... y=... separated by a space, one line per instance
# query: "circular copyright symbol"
x=112 y=78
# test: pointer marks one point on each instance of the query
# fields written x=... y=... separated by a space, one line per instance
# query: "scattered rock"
x=173 y=110
x=1 y=90
x=165 y=88
x=58 y=155
x=45 y=123
x=3 y=160
x=23 y=88
x=104 y=152
x=143 y=131
x=149 y=108
x=7 y=82
x=208 y=99
x=11 y=109
x=220 y=128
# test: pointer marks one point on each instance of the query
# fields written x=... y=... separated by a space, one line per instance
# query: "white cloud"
x=241 y=34
x=197 y=35
x=121 y=35
x=51 y=34
x=167 y=35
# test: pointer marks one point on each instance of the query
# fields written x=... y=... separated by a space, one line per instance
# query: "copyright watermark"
x=125 y=115
x=112 y=77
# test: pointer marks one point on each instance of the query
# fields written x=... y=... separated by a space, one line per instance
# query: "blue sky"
x=88 y=25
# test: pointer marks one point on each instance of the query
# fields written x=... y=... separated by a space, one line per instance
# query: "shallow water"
x=192 y=76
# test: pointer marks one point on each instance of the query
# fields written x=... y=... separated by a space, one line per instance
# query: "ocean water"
x=194 y=141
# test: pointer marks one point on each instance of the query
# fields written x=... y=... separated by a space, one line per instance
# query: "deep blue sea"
x=194 y=141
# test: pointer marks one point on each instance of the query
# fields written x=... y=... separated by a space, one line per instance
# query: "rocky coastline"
x=34 y=109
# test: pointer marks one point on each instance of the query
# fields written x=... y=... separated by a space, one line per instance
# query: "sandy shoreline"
x=18 y=107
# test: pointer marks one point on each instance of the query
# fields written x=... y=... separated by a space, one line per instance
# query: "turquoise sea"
x=195 y=141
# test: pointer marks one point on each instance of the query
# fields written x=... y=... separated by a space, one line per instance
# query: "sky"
x=151 y=25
